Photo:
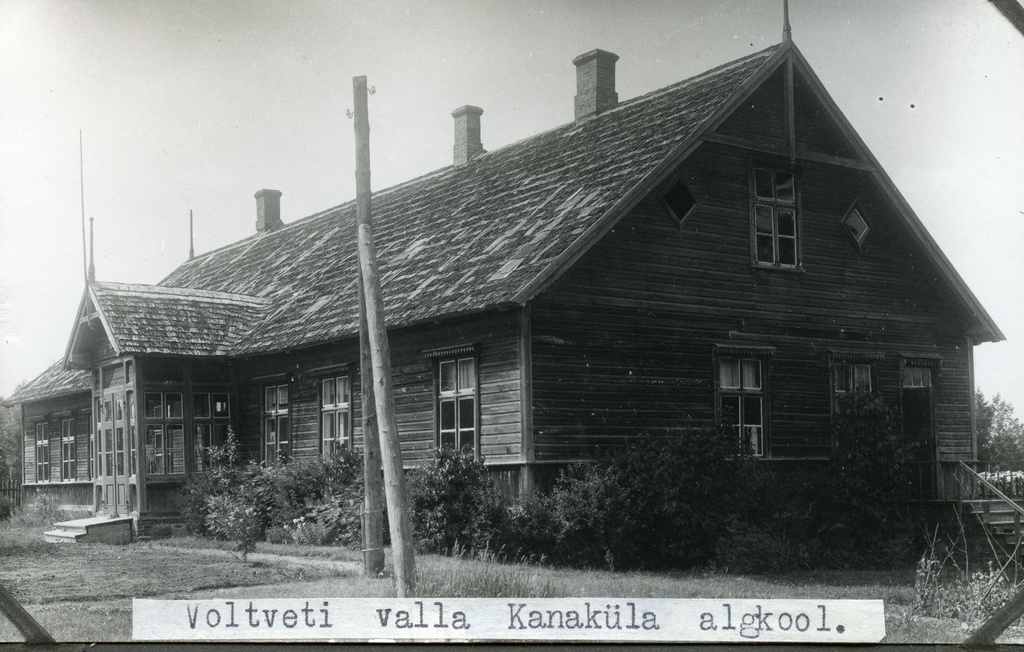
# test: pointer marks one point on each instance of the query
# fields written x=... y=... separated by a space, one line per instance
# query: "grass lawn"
x=83 y=592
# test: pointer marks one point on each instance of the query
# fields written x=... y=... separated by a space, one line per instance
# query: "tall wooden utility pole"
x=398 y=515
x=373 y=483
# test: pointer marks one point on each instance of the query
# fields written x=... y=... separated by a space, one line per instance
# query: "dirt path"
x=275 y=559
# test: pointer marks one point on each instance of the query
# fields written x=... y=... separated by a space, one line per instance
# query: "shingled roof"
x=461 y=239
x=55 y=381
x=175 y=321
x=490 y=233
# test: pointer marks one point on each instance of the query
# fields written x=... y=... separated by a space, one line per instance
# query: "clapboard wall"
x=623 y=342
x=494 y=337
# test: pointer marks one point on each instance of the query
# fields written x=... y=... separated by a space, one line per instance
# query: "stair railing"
x=986 y=487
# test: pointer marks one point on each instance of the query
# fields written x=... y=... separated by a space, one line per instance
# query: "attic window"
x=774 y=219
x=856 y=226
x=679 y=201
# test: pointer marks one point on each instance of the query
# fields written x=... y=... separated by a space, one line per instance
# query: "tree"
x=1000 y=433
x=10 y=442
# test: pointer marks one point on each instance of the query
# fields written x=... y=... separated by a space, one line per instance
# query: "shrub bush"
x=325 y=491
x=454 y=504
x=654 y=503
x=530 y=531
x=234 y=517
x=864 y=506
x=220 y=478
x=6 y=507
x=592 y=517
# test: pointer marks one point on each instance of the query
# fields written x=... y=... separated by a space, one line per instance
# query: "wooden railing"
x=975 y=486
x=981 y=485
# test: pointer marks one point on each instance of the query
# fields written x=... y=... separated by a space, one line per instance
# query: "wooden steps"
x=96 y=529
x=999 y=518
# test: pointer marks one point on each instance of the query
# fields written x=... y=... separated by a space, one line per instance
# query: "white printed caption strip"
x=512 y=619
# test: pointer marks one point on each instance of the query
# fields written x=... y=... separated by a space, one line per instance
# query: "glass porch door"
x=112 y=479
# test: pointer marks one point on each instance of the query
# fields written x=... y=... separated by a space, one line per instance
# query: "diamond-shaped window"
x=856 y=226
x=680 y=201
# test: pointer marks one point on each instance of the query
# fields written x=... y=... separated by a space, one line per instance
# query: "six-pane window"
x=276 y=431
x=165 y=433
x=335 y=401
x=67 y=450
x=741 y=401
x=456 y=403
x=211 y=412
x=775 y=218
x=42 y=452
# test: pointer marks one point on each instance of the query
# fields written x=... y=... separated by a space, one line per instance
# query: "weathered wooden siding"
x=495 y=336
x=623 y=342
x=53 y=412
x=761 y=120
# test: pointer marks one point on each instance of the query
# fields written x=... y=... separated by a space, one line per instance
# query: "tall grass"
x=484 y=576
x=43 y=512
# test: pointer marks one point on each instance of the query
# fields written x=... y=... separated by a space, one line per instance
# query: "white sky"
x=199 y=104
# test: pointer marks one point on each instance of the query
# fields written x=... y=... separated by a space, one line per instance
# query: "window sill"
x=757 y=267
x=158 y=478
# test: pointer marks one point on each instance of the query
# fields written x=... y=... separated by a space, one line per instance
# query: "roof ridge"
x=144 y=288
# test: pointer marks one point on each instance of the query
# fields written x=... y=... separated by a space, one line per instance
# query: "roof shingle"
x=55 y=381
x=441 y=239
x=176 y=321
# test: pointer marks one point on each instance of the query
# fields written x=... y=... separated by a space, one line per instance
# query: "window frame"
x=927 y=379
x=68 y=455
x=698 y=201
x=856 y=207
x=852 y=382
x=852 y=360
x=210 y=429
x=339 y=414
x=457 y=397
x=92 y=448
x=272 y=418
x=774 y=203
x=761 y=356
x=42 y=444
x=161 y=426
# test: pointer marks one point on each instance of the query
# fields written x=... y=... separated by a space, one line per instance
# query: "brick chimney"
x=467 y=133
x=268 y=210
x=595 y=83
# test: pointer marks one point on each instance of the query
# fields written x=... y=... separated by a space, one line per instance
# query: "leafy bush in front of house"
x=777 y=527
x=220 y=478
x=273 y=498
x=290 y=489
x=455 y=506
x=6 y=507
x=654 y=503
x=529 y=531
x=234 y=516
x=336 y=518
x=864 y=506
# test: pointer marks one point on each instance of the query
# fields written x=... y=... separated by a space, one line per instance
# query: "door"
x=919 y=428
x=113 y=473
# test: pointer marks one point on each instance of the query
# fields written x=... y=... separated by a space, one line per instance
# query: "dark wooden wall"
x=497 y=349
x=623 y=342
x=53 y=411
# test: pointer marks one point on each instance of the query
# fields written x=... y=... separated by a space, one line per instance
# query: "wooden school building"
x=722 y=250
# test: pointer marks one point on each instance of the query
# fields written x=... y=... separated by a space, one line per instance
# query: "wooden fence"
x=11 y=489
